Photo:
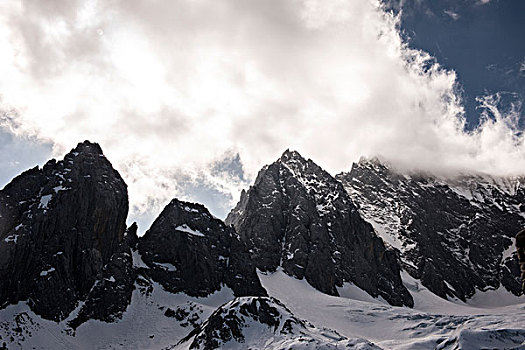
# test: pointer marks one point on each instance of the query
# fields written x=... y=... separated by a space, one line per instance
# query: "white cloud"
x=171 y=88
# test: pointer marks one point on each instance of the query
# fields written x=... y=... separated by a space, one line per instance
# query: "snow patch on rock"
x=187 y=229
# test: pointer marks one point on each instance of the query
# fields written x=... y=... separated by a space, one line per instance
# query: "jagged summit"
x=188 y=250
x=61 y=224
x=87 y=147
x=297 y=164
x=460 y=178
x=291 y=155
x=296 y=215
x=455 y=235
x=375 y=160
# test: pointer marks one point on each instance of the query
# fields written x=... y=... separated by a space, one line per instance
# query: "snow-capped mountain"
x=68 y=257
x=298 y=216
x=243 y=322
x=455 y=235
x=72 y=276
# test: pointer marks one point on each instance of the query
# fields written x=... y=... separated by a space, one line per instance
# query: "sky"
x=191 y=98
x=480 y=41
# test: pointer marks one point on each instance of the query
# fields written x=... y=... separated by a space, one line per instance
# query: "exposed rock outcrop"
x=520 y=248
x=259 y=322
x=298 y=216
x=111 y=294
x=190 y=251
x=455 y=235
x=59 y=226
x=64 y=245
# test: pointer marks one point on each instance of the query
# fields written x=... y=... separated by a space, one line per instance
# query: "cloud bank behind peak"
x=196 y=96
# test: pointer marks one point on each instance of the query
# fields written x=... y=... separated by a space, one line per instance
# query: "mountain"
x=264 y=323
x=300 y=267
x=455 y=235
x=59 y=226
x=67 y=257
x=188 y=250
x=299 y=218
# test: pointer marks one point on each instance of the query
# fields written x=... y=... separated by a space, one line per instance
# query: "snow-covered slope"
x=264 y=323
x=155 y=319
x=433 y=323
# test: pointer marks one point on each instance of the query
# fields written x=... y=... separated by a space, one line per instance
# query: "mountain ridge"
x=192 y=276
x=468 y=228
x=296 y=215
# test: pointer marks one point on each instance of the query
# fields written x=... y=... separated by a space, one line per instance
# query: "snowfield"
x=433 y=323
x=157 y=319
x=146 y=324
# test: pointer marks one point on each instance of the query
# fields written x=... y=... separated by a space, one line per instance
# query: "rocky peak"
x=299 y=217
x=263 y=322
x=455 y=234
x=293 y=159
x=87 y=147
x=188 y=250
x=59 y=226
x=301 y=168
x=291 y=154
x=370 y=161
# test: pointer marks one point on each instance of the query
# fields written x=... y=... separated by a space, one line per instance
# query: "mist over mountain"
x=272 y=174
x=456 y=235
x=335 y=80
x=299 y=218
x=370 y=259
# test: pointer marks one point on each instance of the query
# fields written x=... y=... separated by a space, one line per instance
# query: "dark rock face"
x=190 y=251
x=520 y=248
x=299 y=217
x=454 y=235
x=261 y=322
x=111 y=293
x=59 y=226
